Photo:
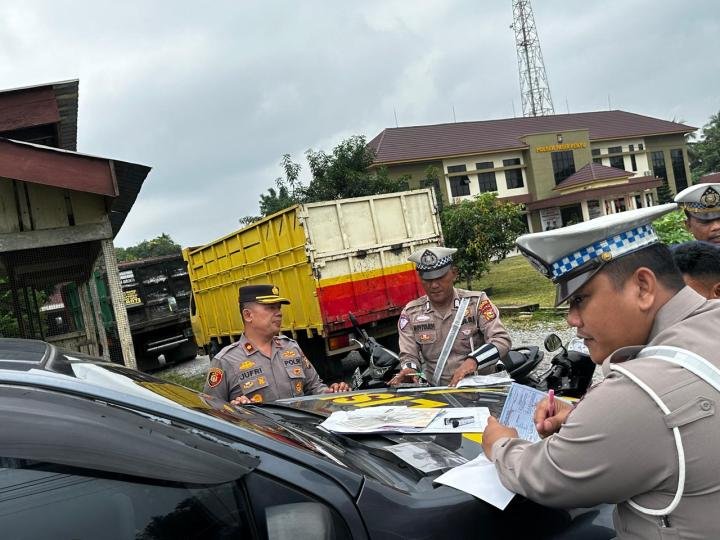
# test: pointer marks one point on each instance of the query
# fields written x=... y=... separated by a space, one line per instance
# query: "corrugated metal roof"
x=711 y=178
x=67 y=97
x=130 y=178
x=592 y=171
x=420 y=143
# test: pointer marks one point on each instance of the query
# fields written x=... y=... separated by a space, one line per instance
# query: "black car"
x=93 y=450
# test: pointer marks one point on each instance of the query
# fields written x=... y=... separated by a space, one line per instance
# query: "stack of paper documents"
x=380 y=419
x=485 y=380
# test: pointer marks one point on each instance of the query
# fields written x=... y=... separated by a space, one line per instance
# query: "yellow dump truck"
x=329 y=258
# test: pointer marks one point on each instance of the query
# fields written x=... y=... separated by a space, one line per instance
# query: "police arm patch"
x=215 y=377
x=403 y=322
x=486 y=310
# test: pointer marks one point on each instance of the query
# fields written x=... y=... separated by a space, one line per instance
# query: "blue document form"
x=519 y=408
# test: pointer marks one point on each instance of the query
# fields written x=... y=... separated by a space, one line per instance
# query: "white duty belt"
x=449 y=340
x=695 y=364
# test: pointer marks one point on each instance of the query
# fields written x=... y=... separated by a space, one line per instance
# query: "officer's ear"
x=715 y=291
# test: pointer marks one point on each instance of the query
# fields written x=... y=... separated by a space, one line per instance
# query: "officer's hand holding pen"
x=549 y=417
x=240 y=400
x=407 y=374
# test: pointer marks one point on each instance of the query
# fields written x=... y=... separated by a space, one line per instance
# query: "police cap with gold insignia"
x=433 y=262
x=571 y=255
x=261 y=294
x=701 y=201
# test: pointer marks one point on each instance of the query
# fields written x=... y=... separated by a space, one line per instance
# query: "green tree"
x=482 y=229
x=432 y=179
x=671 y=228
x=157 y=247
x=705 y=154
x=346 y=173
x=664 y=194
x=289 y=189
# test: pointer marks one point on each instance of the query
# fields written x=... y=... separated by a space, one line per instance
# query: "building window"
x=678 y=165
x=459 y=185
x=597 y=160
x=563 y=165
x=618 y=162
x=513 y=177
x=486 y=180
x=658 y=164
x=596 y=152
x=633 y=163
x=631 y=148
x=615 y=150
x=641 y=146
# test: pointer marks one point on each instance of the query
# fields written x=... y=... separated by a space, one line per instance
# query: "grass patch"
x=194 y=382
x=514 y=282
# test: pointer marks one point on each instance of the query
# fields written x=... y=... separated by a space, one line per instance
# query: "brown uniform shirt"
x=617 y=444
x=240 y=369
x=422 y=332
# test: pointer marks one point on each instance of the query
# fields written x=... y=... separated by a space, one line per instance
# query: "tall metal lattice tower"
x=534 y=87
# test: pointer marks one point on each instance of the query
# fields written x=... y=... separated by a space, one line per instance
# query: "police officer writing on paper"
x=449 y=332
x=699 y=263
x=701 y=203
x=263 y=365
x=645 y=437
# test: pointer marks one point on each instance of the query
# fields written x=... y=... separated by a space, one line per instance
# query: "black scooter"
x=571 y=369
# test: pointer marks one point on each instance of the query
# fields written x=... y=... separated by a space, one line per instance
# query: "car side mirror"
x=552 y=342
x=299 y=521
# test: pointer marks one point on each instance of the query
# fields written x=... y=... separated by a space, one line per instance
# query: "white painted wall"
x=500 y=180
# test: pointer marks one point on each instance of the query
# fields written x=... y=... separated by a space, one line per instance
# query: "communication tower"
x=534 y=87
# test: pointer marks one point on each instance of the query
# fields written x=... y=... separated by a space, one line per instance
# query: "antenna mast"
x=534 y=87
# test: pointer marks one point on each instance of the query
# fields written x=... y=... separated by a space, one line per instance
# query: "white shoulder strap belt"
x=700 y=367
x=445 y=352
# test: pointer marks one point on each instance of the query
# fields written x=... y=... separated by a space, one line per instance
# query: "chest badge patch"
x=249 y=348
x=215 y=377
x=424 y=338
x=421 y=318
x=298 y=387
x=248 y=384
x=261 y=380
x=486 y=310
x=289 y=354
x=297 y=371
x=257 y=398
x=247 y=364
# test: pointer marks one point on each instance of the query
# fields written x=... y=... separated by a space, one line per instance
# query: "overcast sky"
x=212 y=94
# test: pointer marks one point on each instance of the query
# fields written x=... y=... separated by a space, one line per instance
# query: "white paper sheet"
x=484 y=380
x=380 y=419
x=426 y=456
x=459 y=420
x=480 y=479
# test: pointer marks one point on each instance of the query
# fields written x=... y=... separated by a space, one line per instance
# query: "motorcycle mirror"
x=552 y=342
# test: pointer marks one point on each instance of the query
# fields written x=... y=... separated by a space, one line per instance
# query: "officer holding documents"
x=448 y=332
x=263 y=365
x=701 y=203
x=644 y=438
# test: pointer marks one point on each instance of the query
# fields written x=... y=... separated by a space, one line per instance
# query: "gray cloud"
x=212 y=95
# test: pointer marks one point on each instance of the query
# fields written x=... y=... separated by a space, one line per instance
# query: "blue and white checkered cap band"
x=616 y=245
x=443 y=261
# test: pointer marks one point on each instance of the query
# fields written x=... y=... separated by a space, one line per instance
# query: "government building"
x=565 y=168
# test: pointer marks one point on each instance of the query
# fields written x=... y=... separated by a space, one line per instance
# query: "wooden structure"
x=59 y=213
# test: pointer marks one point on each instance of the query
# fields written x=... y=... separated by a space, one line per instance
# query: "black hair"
x=698 y=259
x=656 y=257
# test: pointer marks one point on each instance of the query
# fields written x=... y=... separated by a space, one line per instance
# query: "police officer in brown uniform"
x=426 y=336
x=263 y=365
x=701 y=203
x=645 y=437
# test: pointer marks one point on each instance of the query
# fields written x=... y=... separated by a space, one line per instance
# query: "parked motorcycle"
x=570 y=372
x=571 y=369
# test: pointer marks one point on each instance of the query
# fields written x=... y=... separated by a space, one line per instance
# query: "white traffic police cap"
x=571 y=255
x=701 y=201
x=434 y=262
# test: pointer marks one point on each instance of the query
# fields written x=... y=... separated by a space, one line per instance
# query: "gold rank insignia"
x=248 y=384
x=424 y=337
x=215 y=377
x=297 y=371
x=257 y=398
x=275 y=291
x=289 y=354
x=298 y=387
x=247 y=364
x=248 y=347
x=262 y=380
